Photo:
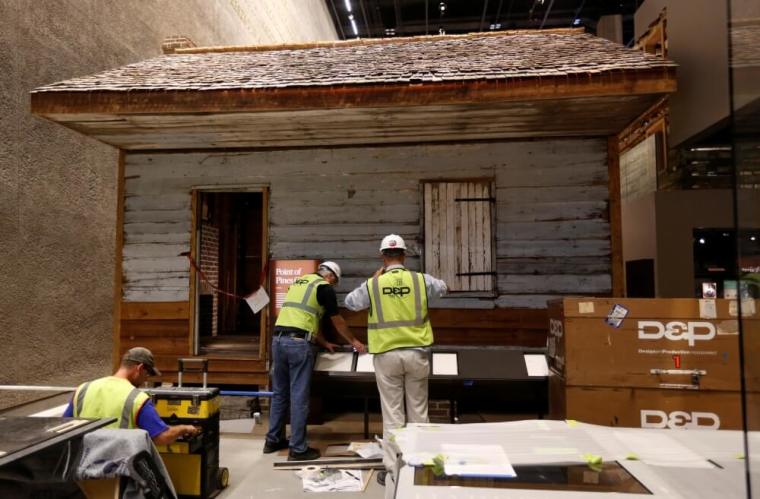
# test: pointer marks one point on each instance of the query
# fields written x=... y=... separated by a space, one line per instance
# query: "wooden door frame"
x=196 y=191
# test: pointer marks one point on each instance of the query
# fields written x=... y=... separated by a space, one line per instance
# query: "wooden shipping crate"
x=645 y=407
x=645 y=343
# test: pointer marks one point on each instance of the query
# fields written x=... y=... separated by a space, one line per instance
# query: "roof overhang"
x=595 y=104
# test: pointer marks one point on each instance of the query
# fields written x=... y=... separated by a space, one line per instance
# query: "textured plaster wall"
x=58 y=188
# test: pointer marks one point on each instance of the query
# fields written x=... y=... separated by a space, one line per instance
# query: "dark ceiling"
x=385 y=18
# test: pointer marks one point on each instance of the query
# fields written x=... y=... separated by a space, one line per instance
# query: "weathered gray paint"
x=552 y=233
x=58 y=188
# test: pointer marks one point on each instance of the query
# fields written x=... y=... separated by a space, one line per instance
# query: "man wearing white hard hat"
x=399 y=335
x=309 y=298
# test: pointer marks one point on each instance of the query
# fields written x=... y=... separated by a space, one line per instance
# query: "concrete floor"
x=252 y=474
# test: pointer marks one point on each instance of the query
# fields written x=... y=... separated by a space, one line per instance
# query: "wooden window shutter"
x=459 y=234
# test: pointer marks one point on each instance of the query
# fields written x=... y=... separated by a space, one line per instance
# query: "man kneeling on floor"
x=309 y=298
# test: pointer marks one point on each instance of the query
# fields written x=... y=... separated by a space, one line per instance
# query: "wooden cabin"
x=493 y=154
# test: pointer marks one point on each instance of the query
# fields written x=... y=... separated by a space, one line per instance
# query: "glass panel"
x=744 y=30
x=562 y=476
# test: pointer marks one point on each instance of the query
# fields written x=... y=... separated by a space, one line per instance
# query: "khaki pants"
x=402 y=380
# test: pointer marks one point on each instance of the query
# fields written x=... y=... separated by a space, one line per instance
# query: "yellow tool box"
x=192 y=463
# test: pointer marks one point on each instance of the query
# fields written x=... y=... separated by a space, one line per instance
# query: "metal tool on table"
x=193 y=462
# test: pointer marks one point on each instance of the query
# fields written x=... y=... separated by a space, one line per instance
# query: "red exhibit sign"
x=284 y=272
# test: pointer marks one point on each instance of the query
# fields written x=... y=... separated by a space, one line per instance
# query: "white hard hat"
x=392 y=241
x=332 y=267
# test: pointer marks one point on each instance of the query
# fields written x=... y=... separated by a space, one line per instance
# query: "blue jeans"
x=292 y=364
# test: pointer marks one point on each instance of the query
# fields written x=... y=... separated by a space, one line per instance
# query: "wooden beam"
x=616 y=221
x=56 y=105
x=195 y=224
x=117 y=273
x=373 y=41
x=265 y=330
x=655 y=119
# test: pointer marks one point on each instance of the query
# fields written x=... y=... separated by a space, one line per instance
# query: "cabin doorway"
x=231 y=255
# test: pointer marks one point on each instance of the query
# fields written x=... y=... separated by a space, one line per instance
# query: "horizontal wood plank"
x=216 y=364
x=218 y=379
x=177 y=328
x=505 y=327
x=155 y=310
x=157 y=345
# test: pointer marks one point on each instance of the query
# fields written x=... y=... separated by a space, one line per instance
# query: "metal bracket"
x=696 y=375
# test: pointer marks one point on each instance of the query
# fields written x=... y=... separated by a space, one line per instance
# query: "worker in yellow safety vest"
x=308 y=299
x=398 y=334
x=119 y=397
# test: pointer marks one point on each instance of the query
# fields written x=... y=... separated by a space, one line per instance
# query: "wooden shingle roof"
x=436 y=88
x=430 y=59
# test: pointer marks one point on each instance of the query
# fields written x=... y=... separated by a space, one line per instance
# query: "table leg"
x=366 y=417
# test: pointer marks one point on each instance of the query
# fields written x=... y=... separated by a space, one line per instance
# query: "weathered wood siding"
x=552 y=230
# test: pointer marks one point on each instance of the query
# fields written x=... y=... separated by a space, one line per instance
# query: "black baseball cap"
x=143 y=356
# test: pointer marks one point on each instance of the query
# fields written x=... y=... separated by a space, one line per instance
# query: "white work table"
x=669 y=463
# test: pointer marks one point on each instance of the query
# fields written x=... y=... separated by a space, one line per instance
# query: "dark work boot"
x=270 y=447
x=309 y=454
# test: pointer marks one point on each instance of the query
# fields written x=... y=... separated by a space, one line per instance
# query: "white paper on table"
x=334 y=362
x=657 y=449
x=257 y=300
x=536 y=365
x=476 y=460
x=445 y=364
x=364 y=363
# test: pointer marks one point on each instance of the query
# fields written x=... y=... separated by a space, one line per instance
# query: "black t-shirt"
x=327 y=298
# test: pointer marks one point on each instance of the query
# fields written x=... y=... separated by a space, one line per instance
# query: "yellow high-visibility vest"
x=301 y=308
x=398 y=314
x=110 y=397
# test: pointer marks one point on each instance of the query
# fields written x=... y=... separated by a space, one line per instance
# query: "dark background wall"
x=58 y=188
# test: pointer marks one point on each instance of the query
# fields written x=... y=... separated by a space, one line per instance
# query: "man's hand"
x=358 y=346
x=330 y=346
x=378 y=272
x=172 y=433
x=189 y=430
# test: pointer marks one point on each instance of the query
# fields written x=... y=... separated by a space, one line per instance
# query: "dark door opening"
x=231 y=255
x=639 y=278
